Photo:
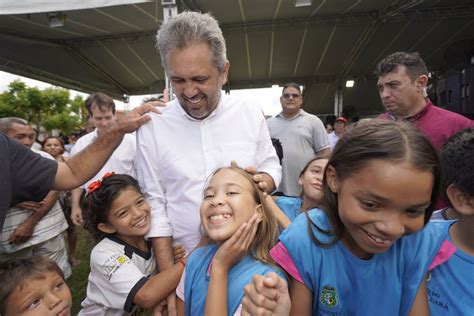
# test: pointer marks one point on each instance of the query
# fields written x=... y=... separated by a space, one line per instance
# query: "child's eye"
x=34 y=304
x=232 y=193
x=123 y=213
x=415 y=213
x=140 y=202
x=59 y=285
x=208 y=196
x=368 y=205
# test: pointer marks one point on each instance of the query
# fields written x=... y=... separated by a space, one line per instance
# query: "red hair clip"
x=98 y=183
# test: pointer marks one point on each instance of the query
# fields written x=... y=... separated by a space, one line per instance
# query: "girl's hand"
x=237 y=246
x=179 y=252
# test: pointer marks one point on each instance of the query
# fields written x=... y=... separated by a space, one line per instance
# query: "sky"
x=266 y=98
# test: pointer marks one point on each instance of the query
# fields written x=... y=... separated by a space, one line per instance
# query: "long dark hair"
x=96 y=205
x=375 y=140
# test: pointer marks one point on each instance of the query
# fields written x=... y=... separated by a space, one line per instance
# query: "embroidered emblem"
x=328 y=297
x=121 y=260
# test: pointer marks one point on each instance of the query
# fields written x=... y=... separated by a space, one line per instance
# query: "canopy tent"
x=111 y=49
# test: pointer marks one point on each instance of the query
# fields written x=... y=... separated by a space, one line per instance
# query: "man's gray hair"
x=6 y=123
x=189 y=28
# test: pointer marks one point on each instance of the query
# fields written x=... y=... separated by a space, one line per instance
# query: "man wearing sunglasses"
x=302 y=136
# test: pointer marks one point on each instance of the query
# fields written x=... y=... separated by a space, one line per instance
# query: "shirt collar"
x=415 y=117
x=300 y=113
x=189 y=117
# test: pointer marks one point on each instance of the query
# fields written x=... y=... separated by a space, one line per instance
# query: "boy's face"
x=45 y=296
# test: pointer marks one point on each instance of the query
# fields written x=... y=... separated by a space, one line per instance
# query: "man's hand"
x=160 y=309
x=263 y=180
x=266 y=295
x=76 y=215
x=23 y=232
x=137 y=117
x=171 y=304
x=179 y=252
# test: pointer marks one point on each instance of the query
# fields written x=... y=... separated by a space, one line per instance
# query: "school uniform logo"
x=328 y=297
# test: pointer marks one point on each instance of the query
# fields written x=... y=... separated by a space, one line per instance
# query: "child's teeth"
x=220 y=216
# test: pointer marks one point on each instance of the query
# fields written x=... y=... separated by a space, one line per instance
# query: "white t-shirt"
x=49 y=226
x=121 y=161
x=333 y=139
x=118 y=271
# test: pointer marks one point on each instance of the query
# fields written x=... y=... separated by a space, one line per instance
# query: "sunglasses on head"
x=293 y=95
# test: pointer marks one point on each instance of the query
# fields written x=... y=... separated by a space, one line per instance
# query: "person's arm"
x=180 y=307
x=266 y=295
x=76 y=211
x=320 y=139
x=283 y=220
x=268 y=163
x=302 y=299
x=83 y=166
x=159 y=286
x=150 y=183
x=228 y=254
x=25 y=230
x=163 y=250
x=420 y=306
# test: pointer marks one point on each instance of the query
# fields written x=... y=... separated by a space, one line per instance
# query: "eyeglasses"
x=293 y=95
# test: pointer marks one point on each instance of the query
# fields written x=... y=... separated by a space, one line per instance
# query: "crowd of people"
x=194 y=213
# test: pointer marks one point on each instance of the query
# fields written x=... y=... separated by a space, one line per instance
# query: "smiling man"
x=198 y=132
x=402 y=82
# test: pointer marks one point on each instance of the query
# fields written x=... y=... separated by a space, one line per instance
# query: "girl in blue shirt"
x=360 y=254
x=287 y=208
x=239 y=231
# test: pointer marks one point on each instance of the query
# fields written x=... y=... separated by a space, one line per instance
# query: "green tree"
x=50 y=108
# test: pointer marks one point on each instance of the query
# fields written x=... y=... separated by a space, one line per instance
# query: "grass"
x=78 y=280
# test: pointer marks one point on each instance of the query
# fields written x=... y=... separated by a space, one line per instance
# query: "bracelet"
x=183 y=263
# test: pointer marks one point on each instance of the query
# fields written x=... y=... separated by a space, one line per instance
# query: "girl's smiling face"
x=228 y=203
x=128 y=217
x=381 y=203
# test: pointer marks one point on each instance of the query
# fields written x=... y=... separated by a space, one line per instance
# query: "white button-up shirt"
x=176 y=154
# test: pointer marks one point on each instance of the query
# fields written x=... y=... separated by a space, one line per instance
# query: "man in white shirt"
x=198 y=132
x=302 y=136
x=101 y=109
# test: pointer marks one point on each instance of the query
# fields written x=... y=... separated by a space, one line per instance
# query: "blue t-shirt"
x=291 y=206
x=450 y=285
x=197 y=279
x=343 y=284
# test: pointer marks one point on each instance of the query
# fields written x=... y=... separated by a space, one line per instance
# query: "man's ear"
x=331 y=179
x=106 y=228
x=422 y=82
x=462 y=202
x=225 y=72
